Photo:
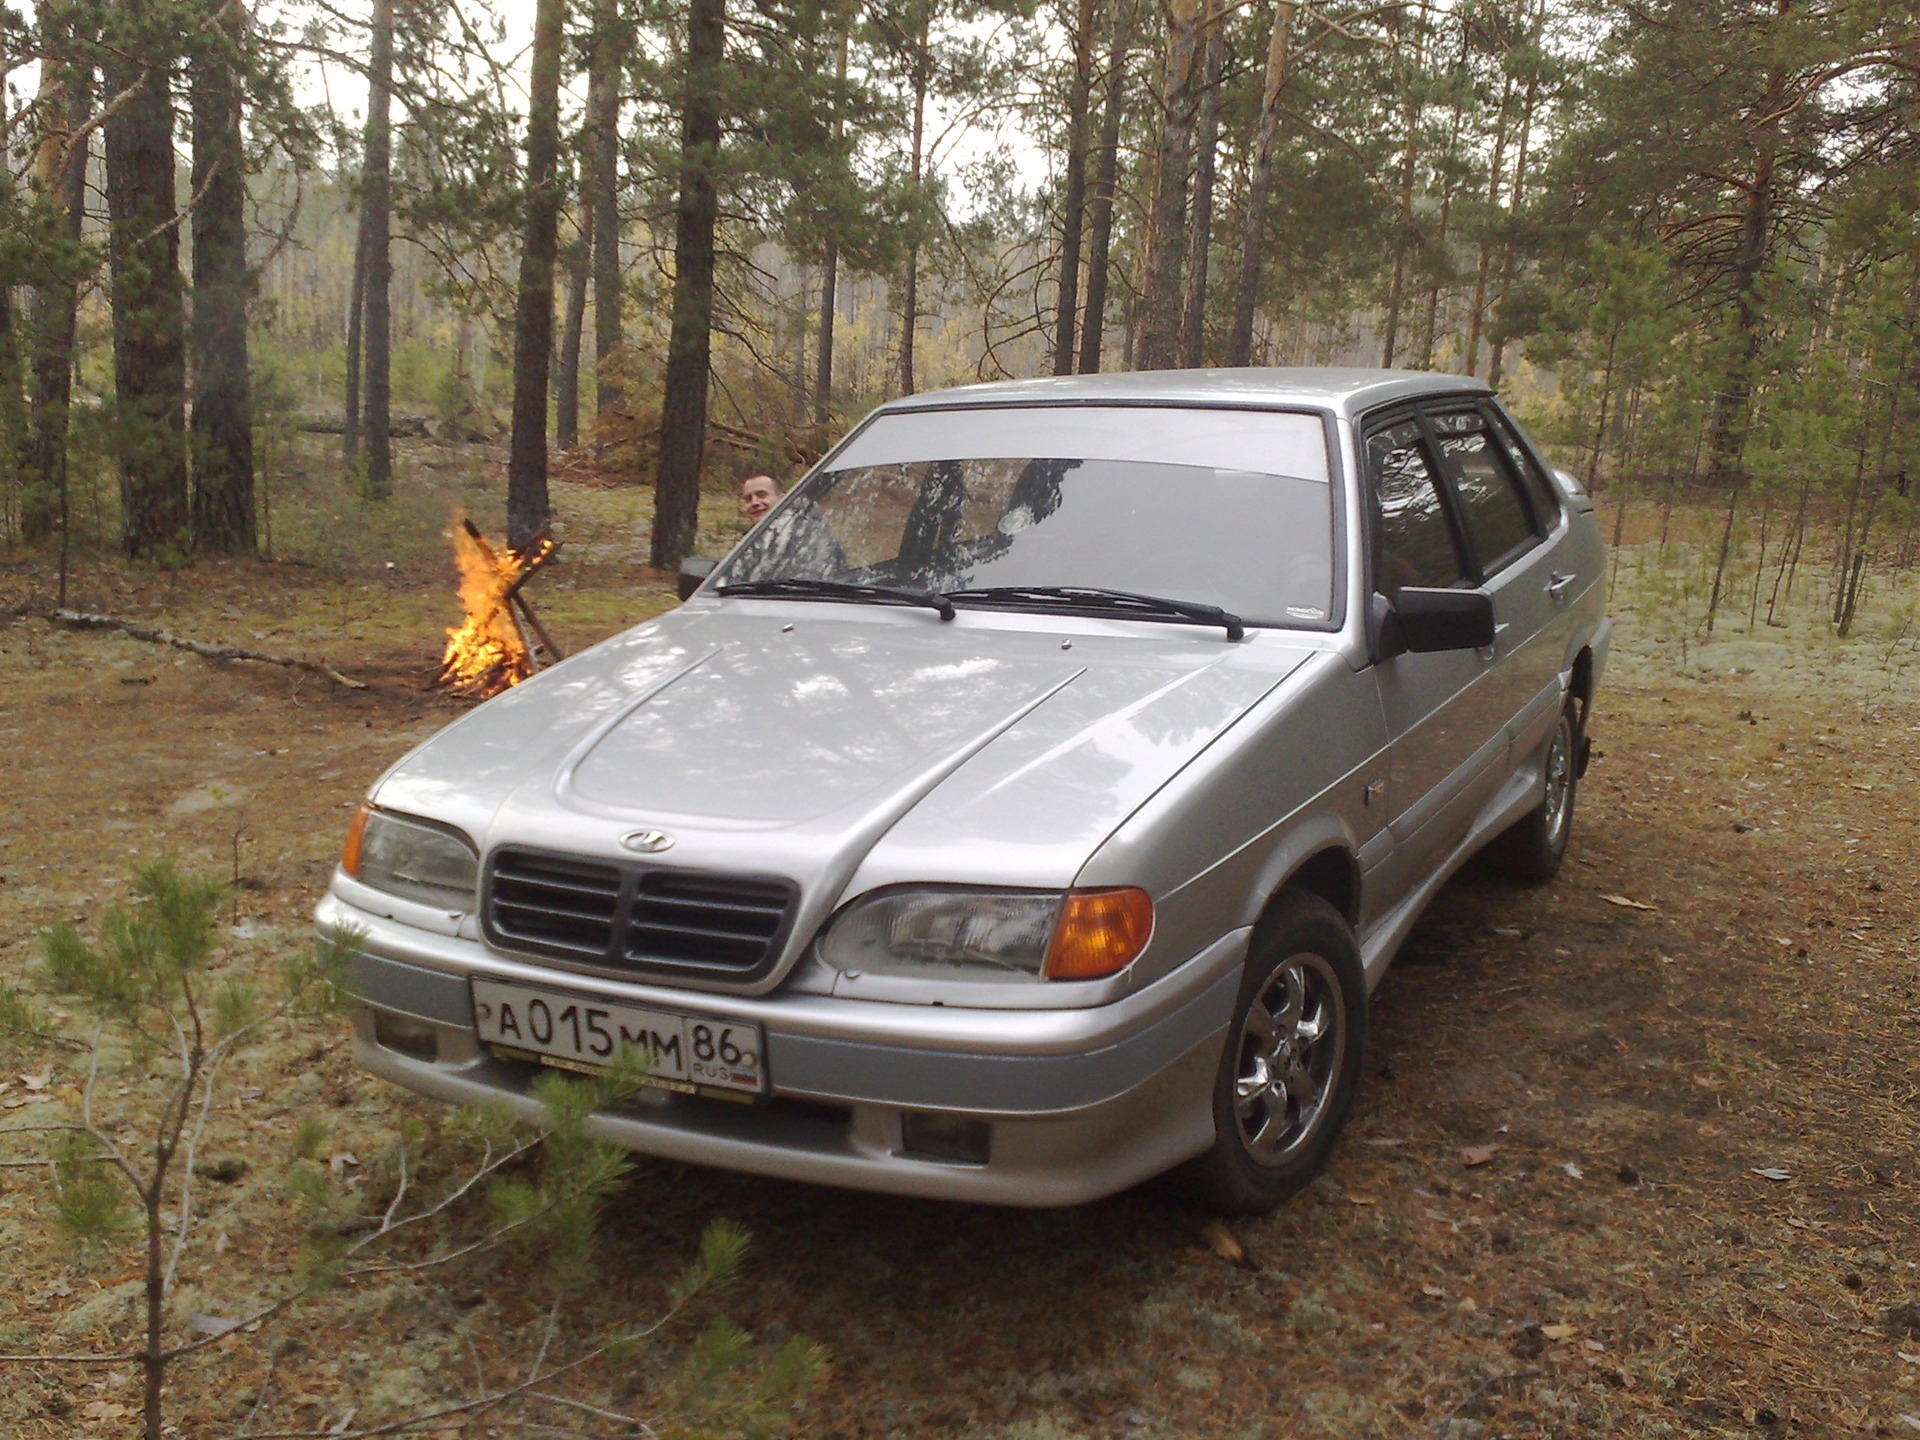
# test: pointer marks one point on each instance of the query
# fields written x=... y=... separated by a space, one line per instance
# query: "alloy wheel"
x=1559 y=777
x=1289 y=1050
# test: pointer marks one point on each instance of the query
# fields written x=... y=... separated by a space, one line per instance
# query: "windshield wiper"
x=803 y=589
x=1113 y=602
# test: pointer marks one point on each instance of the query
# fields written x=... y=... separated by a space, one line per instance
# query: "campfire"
x=502 y=641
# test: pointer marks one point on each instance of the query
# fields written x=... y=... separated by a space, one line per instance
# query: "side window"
x=1539 y=485
x=1414 y=542
x=1497 y=518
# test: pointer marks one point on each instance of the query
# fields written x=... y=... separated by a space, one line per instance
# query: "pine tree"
x=222 y=431
x=149 y=340
x=683 y=406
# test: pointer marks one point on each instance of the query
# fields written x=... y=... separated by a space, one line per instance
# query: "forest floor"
x=1637 y=1153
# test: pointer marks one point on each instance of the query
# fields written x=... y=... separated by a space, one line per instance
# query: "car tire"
x=1291 y=1063
x=1531 y=849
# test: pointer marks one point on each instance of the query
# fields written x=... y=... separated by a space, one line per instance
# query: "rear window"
x=1496 y=515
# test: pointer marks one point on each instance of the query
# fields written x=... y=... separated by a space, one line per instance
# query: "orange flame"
x=488 y=652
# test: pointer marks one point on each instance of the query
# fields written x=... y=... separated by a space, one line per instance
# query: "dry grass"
x=1617 y=1268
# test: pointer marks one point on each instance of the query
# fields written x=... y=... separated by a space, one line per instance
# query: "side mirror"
x=693 y=573
x=1424 y=621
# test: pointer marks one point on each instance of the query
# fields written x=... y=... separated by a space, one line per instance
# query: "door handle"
x=1557 y=586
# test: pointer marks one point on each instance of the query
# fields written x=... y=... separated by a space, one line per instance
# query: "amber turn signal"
x=350 y=852
x=1100 y=933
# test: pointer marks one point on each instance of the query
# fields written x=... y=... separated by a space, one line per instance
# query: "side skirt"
x=1383 y=939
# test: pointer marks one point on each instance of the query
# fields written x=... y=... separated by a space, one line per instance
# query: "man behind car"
x=758 y=495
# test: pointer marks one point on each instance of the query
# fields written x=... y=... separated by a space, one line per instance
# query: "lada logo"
x=647 y=842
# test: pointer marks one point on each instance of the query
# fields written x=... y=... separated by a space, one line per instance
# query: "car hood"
x=810 y=741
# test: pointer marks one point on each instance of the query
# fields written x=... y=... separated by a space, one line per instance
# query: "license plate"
x=684 y=1052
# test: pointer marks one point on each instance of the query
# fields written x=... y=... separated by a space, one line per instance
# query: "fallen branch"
x=80 y=620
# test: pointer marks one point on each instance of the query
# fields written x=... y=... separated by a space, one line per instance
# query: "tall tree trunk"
x=356 y=346
x=1193 y=310
x=376 y=220
x=1732 y=414
x=60 y=193
x=1448 y=170
x=222 y=435
x=528 y=509
x=1100 y=202
x=829 y=271
x=823 y=340
x=1733 y=401
x=13 y=398
x=1412 y=112
x=1496 y=174
x=604 y=69
x=1158 y=343
x=1429 y=330
x=1074 y=201
x=910 y=297
x=683 y=404
x=149 y=344
x=566 y=383
x=1516 y=197
x=1253 y=238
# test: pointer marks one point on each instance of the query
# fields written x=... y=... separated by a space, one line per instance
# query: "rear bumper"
x=1081 y=1103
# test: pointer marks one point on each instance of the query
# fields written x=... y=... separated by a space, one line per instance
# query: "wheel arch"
x=1580 y=693
x=1331 y=873
x=1580 y=680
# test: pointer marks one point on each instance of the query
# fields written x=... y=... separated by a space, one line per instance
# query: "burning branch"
x=489 y=650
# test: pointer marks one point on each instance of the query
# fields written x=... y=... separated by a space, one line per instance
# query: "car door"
x=1512 y=551
x=1447 y=739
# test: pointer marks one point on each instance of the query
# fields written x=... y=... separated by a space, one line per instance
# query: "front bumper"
x=1081 y=1102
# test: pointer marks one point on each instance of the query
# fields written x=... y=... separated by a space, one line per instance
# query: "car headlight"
x=1011 y=935
x=414 y=859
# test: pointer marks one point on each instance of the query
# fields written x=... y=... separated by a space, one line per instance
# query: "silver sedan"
x=1026 y=807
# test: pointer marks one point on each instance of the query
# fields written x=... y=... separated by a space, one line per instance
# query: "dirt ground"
x=1548 y=1217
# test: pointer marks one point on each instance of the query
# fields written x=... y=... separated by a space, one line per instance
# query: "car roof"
x=1350 y=391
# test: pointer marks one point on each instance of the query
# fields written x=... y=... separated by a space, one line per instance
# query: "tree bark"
x=356 y=346
x=1412 y=112
x=566 y=383
x=1253 y=239
x=822 y=405
x=13 y=395
x=149 y=345
x=922 y=79
x=1158 y=344
x=1733 y=401
x=829 y=277
x=528 y=509
x=376 y=219
x=60 y=193
x=1193 y=313
x=222 y=433
x=1100 y=201
x=1496 y=173
x=605 y=66
x=1429 y=334
x=13 y=406
x=683 y=405
x=1516 y=197
x=1074 y=201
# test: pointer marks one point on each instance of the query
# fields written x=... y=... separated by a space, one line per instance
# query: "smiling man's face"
x=757 y=496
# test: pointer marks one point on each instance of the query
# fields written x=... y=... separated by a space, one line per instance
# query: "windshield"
x=1225 y=508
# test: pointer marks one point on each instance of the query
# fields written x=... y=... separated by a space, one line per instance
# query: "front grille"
x=554 y=903
x=637 y=919
x=683 y=918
